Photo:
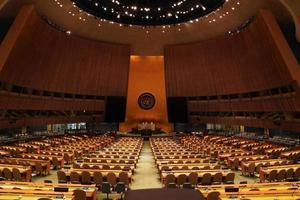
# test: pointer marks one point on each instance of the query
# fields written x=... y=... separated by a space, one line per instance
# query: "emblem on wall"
x=146 y=101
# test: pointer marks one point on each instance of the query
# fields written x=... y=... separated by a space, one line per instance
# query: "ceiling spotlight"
x=148 y=13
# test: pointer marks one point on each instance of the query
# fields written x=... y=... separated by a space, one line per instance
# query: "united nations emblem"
x=146 y=101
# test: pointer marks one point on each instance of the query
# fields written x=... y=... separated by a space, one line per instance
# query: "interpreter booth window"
x=75 y=126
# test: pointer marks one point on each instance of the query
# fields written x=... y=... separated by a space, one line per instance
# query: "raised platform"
x=145 y=136
x=163 y=194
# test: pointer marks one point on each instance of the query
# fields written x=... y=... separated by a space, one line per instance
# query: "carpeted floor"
x=146 y=174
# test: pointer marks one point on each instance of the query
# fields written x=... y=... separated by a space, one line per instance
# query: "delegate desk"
x=200 y=173
x=230 y=160
x=60 y=159
x=4 y=153
x=288 y=154
x=58 y=153
x=47 y=188
x=110 y=160
x=119 y=155
x=24 y=170
x=270 y=191
x=181 y=161
x=77 y=152
x=275 y=150
x=265 y=171
x=33 y=195
x=174 y=157
x=188 y=165
x=104 y=172
x=32 y=162
x=100 y=166
x=225 y=156
x=245 y=164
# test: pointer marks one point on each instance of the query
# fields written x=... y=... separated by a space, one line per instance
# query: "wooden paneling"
x=48 y=120
x=147 y=74
x=292 y=125
x=47 y=59
x=279 y=104
x=244 y=62
x=22 y=102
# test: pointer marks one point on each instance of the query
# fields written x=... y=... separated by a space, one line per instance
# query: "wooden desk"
x=225 y=156
x=189 y=165
x=264 y=171
x=57 y=153
x=287 y=154
x=265 y=189
x=109 y=160
x=45 y=157
x=13 y=148
x=45 y=163
x=103 y=172
x=4 y=153
x=48 y=188
x=278 y=149
x=24 y=170
x=199 y=172
x=230 y=160
x=111 y=165
x=22 y=195
x=245 y=165
x=192 y=160
x=159 y=157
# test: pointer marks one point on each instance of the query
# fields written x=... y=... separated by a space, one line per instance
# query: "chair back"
x=217 y=178
x=74 y=177
x=85 y=177
x=106 y=188
x=235 y=164
x=105 y=167
x=120 y=187
x=79 y=195
x=193 y=178
x=258 y=167
x=181 y=179
x=76 y=166
x=289 y=173
x=38 y=167
x=111 y=178
x=213 y=196
x=55 y=162
x=272 y=175
x=117 y=167
x=62 y=177
x=16 y=174
x=206 y=179
x=170 y=178
x=123 y=177
x=297 y=173
x=251 y=168
x=98 y=179
x=281 y=175
x=229 y=179
x=7 y=174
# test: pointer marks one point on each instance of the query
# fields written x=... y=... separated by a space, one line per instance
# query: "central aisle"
x=146 y=174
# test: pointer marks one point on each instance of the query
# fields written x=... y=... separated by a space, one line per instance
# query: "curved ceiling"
x=149 y=12
x=151 y=40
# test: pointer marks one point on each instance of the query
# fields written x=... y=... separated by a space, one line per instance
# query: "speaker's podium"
x=135 y=128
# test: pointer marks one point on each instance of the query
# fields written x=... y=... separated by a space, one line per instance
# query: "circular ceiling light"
x=149 y=12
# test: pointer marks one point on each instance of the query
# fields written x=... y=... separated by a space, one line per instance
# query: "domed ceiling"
x=149 y=12
x=149 y=36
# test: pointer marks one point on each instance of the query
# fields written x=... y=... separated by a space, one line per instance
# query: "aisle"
x=146 y=174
